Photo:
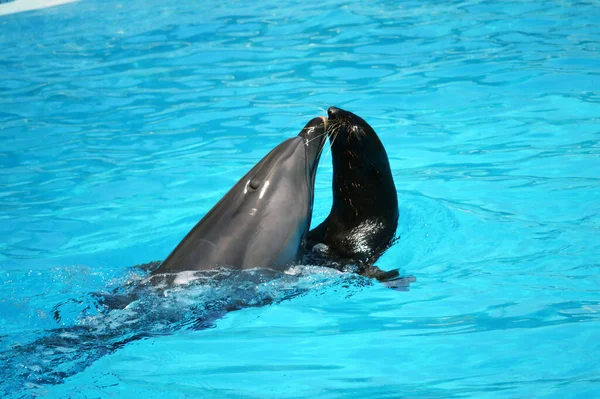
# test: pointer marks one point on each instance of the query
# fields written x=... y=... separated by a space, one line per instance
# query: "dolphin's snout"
x=317 y=122
x=314 y=128
x=324 y=119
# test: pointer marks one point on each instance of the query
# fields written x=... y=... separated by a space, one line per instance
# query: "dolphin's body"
x=262 y=221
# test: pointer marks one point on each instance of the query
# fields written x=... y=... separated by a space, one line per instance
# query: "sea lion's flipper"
x=389 y=278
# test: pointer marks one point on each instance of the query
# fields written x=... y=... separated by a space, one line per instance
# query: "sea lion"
x=364 y=214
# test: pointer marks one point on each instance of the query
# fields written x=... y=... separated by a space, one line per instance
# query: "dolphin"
x=263 y=220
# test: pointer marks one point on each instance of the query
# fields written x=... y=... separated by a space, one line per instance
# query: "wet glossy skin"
x=364 y=215
x=263 y=219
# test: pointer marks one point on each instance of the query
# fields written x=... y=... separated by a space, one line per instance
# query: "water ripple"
x=121 y=124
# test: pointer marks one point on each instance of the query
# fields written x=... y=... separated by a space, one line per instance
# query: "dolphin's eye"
x=254 y=183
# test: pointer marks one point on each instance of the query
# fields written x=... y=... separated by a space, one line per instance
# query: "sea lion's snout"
x=332 y=112
x=339 y=116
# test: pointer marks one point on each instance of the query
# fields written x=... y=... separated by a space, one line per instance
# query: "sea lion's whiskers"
x=316 y=137
x=323 y=109
x=335 y=134
x=319 y=107
x=332 y=129
x=321 y=150
x=332 y=125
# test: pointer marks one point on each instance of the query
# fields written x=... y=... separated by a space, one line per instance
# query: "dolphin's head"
x=314 y=135
x=270 y=208
x=263 y=219
x=290 y=168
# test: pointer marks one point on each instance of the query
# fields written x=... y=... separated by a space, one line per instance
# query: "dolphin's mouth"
x=314 y=136
x=310 y=132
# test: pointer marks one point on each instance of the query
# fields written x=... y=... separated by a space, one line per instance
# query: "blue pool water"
x=122 y=123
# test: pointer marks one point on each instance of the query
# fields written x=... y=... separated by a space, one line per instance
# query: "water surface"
x=123 y=123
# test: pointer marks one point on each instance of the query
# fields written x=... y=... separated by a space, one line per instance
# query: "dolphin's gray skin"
x=263 y=219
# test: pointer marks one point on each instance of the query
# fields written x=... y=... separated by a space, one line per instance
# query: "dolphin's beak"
x=314 y=127
x=315 y=136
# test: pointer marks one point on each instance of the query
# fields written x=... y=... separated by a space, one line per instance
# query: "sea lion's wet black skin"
x=263 y=220
x=364 y=214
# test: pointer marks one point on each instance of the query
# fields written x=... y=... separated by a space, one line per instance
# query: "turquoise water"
x=121 y=124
